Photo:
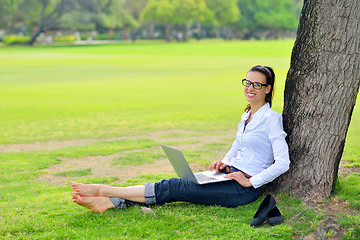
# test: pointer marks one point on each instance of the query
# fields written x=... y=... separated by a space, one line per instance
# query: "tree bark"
x=125 y=34
x=133 y=34
x=35 y=35
x=184 y=33
x=198 y=29
x=110 y=33
x=320 y=93
x=168 y=31
x=151 y=30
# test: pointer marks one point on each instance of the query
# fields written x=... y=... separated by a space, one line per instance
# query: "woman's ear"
x=268 y=88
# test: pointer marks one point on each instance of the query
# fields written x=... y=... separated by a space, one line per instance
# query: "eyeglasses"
x=256 y=85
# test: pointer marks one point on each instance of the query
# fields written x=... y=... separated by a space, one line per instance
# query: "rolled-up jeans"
x=226 y=194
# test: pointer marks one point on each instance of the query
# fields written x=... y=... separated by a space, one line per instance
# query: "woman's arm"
x=280 y=149
x=240 y=178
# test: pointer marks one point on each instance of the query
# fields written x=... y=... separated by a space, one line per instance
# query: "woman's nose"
x=251 y=86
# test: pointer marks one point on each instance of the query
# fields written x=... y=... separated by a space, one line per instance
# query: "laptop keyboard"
x=203 y=178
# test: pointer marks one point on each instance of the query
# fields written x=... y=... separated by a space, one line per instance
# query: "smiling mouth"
x=251 y=94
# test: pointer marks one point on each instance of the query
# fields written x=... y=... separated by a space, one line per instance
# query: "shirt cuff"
x=256 y=182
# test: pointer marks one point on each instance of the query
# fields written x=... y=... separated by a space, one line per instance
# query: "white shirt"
x=260 y=150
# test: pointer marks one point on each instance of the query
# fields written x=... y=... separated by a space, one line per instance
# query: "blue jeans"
x=226 y=194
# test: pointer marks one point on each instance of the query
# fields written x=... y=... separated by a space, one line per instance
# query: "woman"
x=258 y=155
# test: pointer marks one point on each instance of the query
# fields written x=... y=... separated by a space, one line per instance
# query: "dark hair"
x=270 y=79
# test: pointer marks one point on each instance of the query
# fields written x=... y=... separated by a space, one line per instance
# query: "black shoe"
x=261 y=214
x=274 y=217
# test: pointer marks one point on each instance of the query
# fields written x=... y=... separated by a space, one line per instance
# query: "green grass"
x=96 y=180
x=349 y=189
x=139 y=157
x=55 y=93
x=116 y=96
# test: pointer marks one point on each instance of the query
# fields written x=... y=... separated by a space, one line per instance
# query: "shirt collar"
x=259 y=113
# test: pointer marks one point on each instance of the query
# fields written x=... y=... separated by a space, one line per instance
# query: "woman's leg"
x=134 y=193
x=96 y=204
x=227 y=194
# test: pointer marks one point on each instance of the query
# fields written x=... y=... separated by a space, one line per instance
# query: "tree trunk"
x=125 y=34
x=228 y=33
x=110 y=33
x=47 y=20
x=168 y=32
x=198 y=29
x=320 y=93
x=150 y=32
x=35 y=35
x=184 y=33
x=133 y=34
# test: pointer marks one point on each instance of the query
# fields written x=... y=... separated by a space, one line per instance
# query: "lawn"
x=98 y=114
x=58 y=93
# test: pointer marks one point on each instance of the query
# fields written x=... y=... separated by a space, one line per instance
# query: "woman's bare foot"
x=96 y=204
x=86 y=190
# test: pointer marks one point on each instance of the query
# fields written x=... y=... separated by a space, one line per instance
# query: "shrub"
x=15 y=39
x=85 y=36
x=70 y=38
x=102 y=37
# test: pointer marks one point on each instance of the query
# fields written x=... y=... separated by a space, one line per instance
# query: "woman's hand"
x=240 y=178
x=217 y=166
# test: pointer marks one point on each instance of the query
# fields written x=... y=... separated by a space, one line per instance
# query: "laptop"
x=183 y=170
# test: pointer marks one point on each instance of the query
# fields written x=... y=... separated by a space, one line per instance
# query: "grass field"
x=97 y=114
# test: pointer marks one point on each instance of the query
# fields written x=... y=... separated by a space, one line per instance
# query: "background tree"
x=320 y=93
x=176 y=12
x=83 y=17
x=226 y=12
x=134 y=8
x=114 y=16
x=42 y=14
x=272 y=16
x=276 y=15
x=160 y=11
x=187 y=12
x=9 y=14
x=107 y=14
x=269 y=18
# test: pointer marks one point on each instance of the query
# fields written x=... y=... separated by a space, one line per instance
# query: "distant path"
x=102 y=166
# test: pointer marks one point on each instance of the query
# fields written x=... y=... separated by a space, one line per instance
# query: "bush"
x=70 y=38
x=102 y=36
x=15 y=39
x=85 y=37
